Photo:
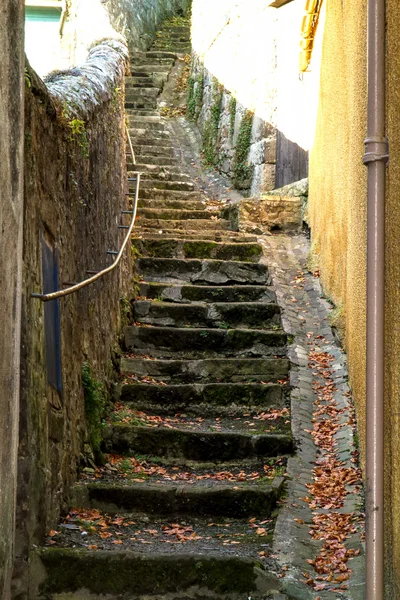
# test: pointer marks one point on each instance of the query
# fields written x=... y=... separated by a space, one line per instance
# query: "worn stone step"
x=141 y=137
x=178 y=47
x=198 y=224
x=178 y=398
x=134 y=93
x=160 y=184
x=171 y=175
x=141 y=112
x=171 y=204
x=157 y=55
x=165 y=342
x=142 y=127
x=138 y=82
x=157 y=194
x=176 y=248
x=202 y=272
x=162 y=170
x=208 y=370
x=181 y=35
x=162 y=68
x=168 y=499
x=191 y=571
x=169 y=292
x=142 y=102
x=173 y=214
x=193 y=235
x=247 y=315
x=160 y=161
x=163 y=150
x=203 y=446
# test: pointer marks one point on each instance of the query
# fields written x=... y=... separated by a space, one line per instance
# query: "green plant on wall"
x=95 y=401
x=211 y=126
x=232 y=116
x=195 y=97
x=242 y=171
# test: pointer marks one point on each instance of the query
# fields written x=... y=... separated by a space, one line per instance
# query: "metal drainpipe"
x=376 y=157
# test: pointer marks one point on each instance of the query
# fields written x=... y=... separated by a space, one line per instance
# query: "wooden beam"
x=279 y=3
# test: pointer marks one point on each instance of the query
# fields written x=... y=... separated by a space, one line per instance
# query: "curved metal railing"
x=78 y=286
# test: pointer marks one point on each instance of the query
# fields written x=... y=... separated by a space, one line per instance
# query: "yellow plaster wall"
x=393 y=294
x=337 y=215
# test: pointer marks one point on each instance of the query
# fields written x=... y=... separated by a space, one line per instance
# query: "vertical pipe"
x=376 y=155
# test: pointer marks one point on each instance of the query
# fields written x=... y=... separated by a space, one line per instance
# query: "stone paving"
x=305 y=311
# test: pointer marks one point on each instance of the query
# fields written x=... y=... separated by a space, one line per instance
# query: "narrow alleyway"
x=232 y=440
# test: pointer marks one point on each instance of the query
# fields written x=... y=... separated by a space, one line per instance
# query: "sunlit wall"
x=42 y=39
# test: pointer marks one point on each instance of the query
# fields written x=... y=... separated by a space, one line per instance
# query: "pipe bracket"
x=376 y=149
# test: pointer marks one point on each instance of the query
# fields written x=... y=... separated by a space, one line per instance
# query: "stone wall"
x=11 y=218
x=135 y=20
x=75 y=186
x=245 y=87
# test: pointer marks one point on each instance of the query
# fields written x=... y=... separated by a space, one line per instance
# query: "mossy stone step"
x=156 y=194
x=133 y=93
x=249 y=315
x=236 y=501
x=193 y=445
x=170 y=175
x=141 y=102
x=201 y=293
x=195 y=343
x=138 y=82
x=176 y=248
x=208 y=370
x=122 y=574
x=154 y=170
x=170 y=204
x=148 y=67
x=198 y=224
x=202 y=272
x=176 y=398
x=193 y=235
x=160 y=184
x=173 y=214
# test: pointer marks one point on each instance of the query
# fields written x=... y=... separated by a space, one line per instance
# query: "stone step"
x=141 y=126
x=134 y=93
x=189 y=234
x=141 y=112
x=161 y=68
x=160 y=161
x=163 y=342
x=208 y=370
x=176 y=248
x=194 y=224
x=161 y=150
x=131 y=83
x=162 y=175
x=178 y=28
x=179 y=47
x=157 y=194
x=244 y=315
x=181 y=398
x=202 y=569
x=173 y=214
x=202 y=272
x=168 y=499
x=168 y=292
x=163 y=170
x=156 y=138
x=134 y=74
x=199 y=446
x=142 y=102
x=171 y=204
x=160 y=184
x=181 y=35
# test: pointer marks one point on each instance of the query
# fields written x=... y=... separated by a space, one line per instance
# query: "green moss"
x=242 y=171
x=232 y=114
x=198 y=249
x=78 y=134
x=211 y=127
x=95 y=401
x=195 y=97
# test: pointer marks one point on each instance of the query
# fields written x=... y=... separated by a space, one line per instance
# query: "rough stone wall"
x=75 y=185
x=11 y=219
x=246 y=62
x=135 y=20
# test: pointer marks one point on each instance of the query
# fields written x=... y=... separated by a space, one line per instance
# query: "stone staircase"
x=196 y=446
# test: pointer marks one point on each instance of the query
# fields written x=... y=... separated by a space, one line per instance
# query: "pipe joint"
x=376 y=149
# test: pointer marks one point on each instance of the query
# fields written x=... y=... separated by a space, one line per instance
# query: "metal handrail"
x=78 y=286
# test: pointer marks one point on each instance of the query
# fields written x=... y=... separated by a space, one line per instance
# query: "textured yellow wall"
x=337 y=216
x=393 y=293
x=337 y=211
